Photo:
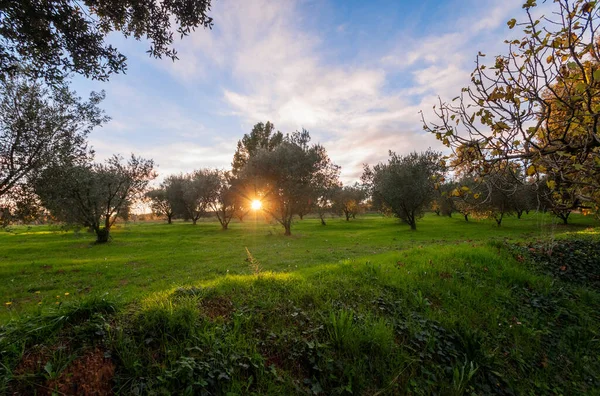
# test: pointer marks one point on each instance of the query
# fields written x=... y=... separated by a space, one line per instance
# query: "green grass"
x=362 y=307
x=149 y=257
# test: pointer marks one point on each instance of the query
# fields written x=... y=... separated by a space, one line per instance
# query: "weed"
x=253 y=263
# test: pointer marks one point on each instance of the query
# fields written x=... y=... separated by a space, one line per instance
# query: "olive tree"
x=41 y=126
x=198 y=190
x=287 y=175
x=496 y=194
x=325 y=190
x=405 y=185
x=94 y=195
x=347 y=200
x=167 y=199
x=324 y=202
x=226 y=202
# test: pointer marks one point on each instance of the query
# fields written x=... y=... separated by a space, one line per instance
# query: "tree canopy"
x=536 y=104
x=94 y=195
x=57 y=37
x=198 y=190
x=347 y=200
x=41 y=126
x=262 y=137
x=405 y=185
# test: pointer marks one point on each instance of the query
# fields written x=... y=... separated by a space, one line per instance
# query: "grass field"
x=362 y=307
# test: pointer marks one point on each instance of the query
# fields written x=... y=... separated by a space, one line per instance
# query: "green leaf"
x=511 y=24
x=581 y=87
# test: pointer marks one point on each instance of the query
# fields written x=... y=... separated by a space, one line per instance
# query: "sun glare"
x=256 y=204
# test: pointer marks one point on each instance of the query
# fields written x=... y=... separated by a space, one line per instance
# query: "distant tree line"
x=408 y=186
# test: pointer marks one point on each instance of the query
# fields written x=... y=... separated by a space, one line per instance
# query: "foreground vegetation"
x=366 y=307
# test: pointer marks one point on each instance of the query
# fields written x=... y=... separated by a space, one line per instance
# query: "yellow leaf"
x=551 y=184
x=530 y=170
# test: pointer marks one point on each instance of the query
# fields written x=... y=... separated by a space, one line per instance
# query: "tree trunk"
x=499 y=219
x=519 y=214
x=322 y=217
x=102 y=234
x=194 y=221
x=413 y=225
x=347 y=216
x=288 y=229
x=169 y=219
x=224 y=226
x=466 y=217
x=301 y=216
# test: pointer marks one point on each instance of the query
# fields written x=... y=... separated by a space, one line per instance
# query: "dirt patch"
x=215 y=307
x=33 y=361
x=90 y=374
x=123 y=282
x=46 y=267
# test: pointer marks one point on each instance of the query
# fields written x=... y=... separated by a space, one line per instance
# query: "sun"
x=256 y=204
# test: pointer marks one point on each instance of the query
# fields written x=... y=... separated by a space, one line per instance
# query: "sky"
x=355 y=74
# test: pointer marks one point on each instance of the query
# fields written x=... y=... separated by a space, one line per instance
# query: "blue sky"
x=354 y=73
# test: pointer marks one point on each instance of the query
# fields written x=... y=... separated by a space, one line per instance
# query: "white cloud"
x=275 y=69
x=282 y=77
